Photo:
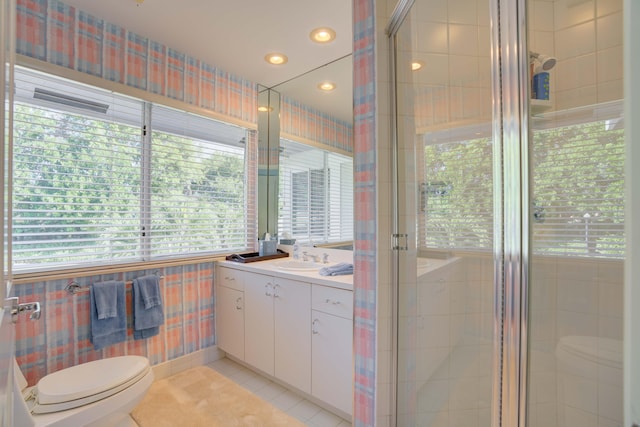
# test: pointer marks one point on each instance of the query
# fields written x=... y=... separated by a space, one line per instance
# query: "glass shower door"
x=577 y=214
x=445 y=300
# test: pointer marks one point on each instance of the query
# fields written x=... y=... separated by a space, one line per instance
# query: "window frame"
x=143 y=252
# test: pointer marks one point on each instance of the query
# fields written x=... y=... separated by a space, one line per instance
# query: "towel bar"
x=74 y=287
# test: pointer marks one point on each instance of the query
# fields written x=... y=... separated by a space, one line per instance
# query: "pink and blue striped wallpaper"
x=51 y=31
x=61 y=338
x=366 y=227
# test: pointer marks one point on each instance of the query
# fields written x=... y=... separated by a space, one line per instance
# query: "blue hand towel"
x=146 y=321
x=111 y=330
x=149 y=291
x=105 y=295
x=337 y=270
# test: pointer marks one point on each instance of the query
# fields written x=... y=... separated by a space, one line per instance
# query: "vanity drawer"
x=338 y=302
x=230 y=278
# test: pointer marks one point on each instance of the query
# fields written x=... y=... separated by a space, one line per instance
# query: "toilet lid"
x=86 y=383
x=605 y=351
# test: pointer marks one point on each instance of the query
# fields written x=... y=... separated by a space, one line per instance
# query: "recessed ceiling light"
x=416 y=65
x=322 y=35
x=327 y=86
x=276 y=58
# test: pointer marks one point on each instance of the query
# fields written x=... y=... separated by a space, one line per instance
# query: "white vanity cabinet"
x=230 y=311
x=299 y=331
x=277 y=333
x=332 y=344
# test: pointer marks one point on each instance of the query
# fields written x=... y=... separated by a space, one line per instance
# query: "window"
x=578 y=192
x=315 y=194
x=456 y=203
x=578 y=188
x=104 y=178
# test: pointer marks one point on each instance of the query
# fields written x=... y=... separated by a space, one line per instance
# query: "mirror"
x=268 y=157
x=337 y=103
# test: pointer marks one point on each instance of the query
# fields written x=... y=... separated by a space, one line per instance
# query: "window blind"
x=198 y=200
x=455 y=195
x=315 y=194
x=578 y=190
x=105 y=178
x=76 y=173
x=577 y=206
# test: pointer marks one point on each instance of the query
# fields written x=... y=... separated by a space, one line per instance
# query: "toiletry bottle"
x=296 y=251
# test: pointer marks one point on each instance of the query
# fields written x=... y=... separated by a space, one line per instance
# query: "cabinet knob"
x=313 y=326
x=275 y=291
x=267 y=289
x=239 y=303
x=229 y=278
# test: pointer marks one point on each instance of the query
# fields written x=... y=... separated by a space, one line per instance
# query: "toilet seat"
x=87 y=383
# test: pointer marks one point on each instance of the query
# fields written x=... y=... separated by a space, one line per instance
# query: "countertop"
x=270 y=267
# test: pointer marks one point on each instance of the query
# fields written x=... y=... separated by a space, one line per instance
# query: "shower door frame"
x=511 y=182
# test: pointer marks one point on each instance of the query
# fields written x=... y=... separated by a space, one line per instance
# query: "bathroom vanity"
x=291 y=324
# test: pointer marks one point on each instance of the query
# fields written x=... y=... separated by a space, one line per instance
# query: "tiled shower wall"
x=569 y=297
x=586 y=38
x=61 y=338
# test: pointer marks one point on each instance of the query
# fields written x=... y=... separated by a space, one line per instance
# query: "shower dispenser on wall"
x=540 y=66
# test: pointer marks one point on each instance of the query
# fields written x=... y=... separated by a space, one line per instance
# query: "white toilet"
x=589 y=375
x=98 y=393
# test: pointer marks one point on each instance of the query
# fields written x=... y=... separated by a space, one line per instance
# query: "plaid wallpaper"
x=365 y=205
x=50 y=30
x=62 y=336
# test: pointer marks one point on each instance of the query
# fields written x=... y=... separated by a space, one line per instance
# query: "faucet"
x=325 y=258
x=307 y=255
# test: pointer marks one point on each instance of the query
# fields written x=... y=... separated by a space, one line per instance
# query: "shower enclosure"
x=510 y=212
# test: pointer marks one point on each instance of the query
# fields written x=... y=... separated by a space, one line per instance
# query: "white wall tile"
x=610 y=301
x=572 y=12
x=463 y=394
x=571 y=323
x=576 y=40
x=610 y=402
x=543 y=15
x=610 y=91
x=610 y=327
x=610 y=64
x=462 y=12
x=433 y=37
x=578 y=417
x=609 y=31
x=543 y=42
x=575 y=72
x=578 y=296
x=463 y=39
x=605 y=7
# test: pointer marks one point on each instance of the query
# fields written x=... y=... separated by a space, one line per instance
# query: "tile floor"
x=291 y=403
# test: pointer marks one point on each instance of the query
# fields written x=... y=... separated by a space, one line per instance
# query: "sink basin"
x=296 y=265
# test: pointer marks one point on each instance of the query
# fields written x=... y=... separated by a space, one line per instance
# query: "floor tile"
x=288 y=401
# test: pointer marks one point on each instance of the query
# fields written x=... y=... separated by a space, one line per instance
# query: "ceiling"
x=236 y=35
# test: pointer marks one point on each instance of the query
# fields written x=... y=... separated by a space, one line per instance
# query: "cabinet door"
x=292 y=309
x=332 y=377
x=230 y=321
x=258 y=318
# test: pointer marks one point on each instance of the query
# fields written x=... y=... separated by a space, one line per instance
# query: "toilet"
x=98 y=393
x=589 y=379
